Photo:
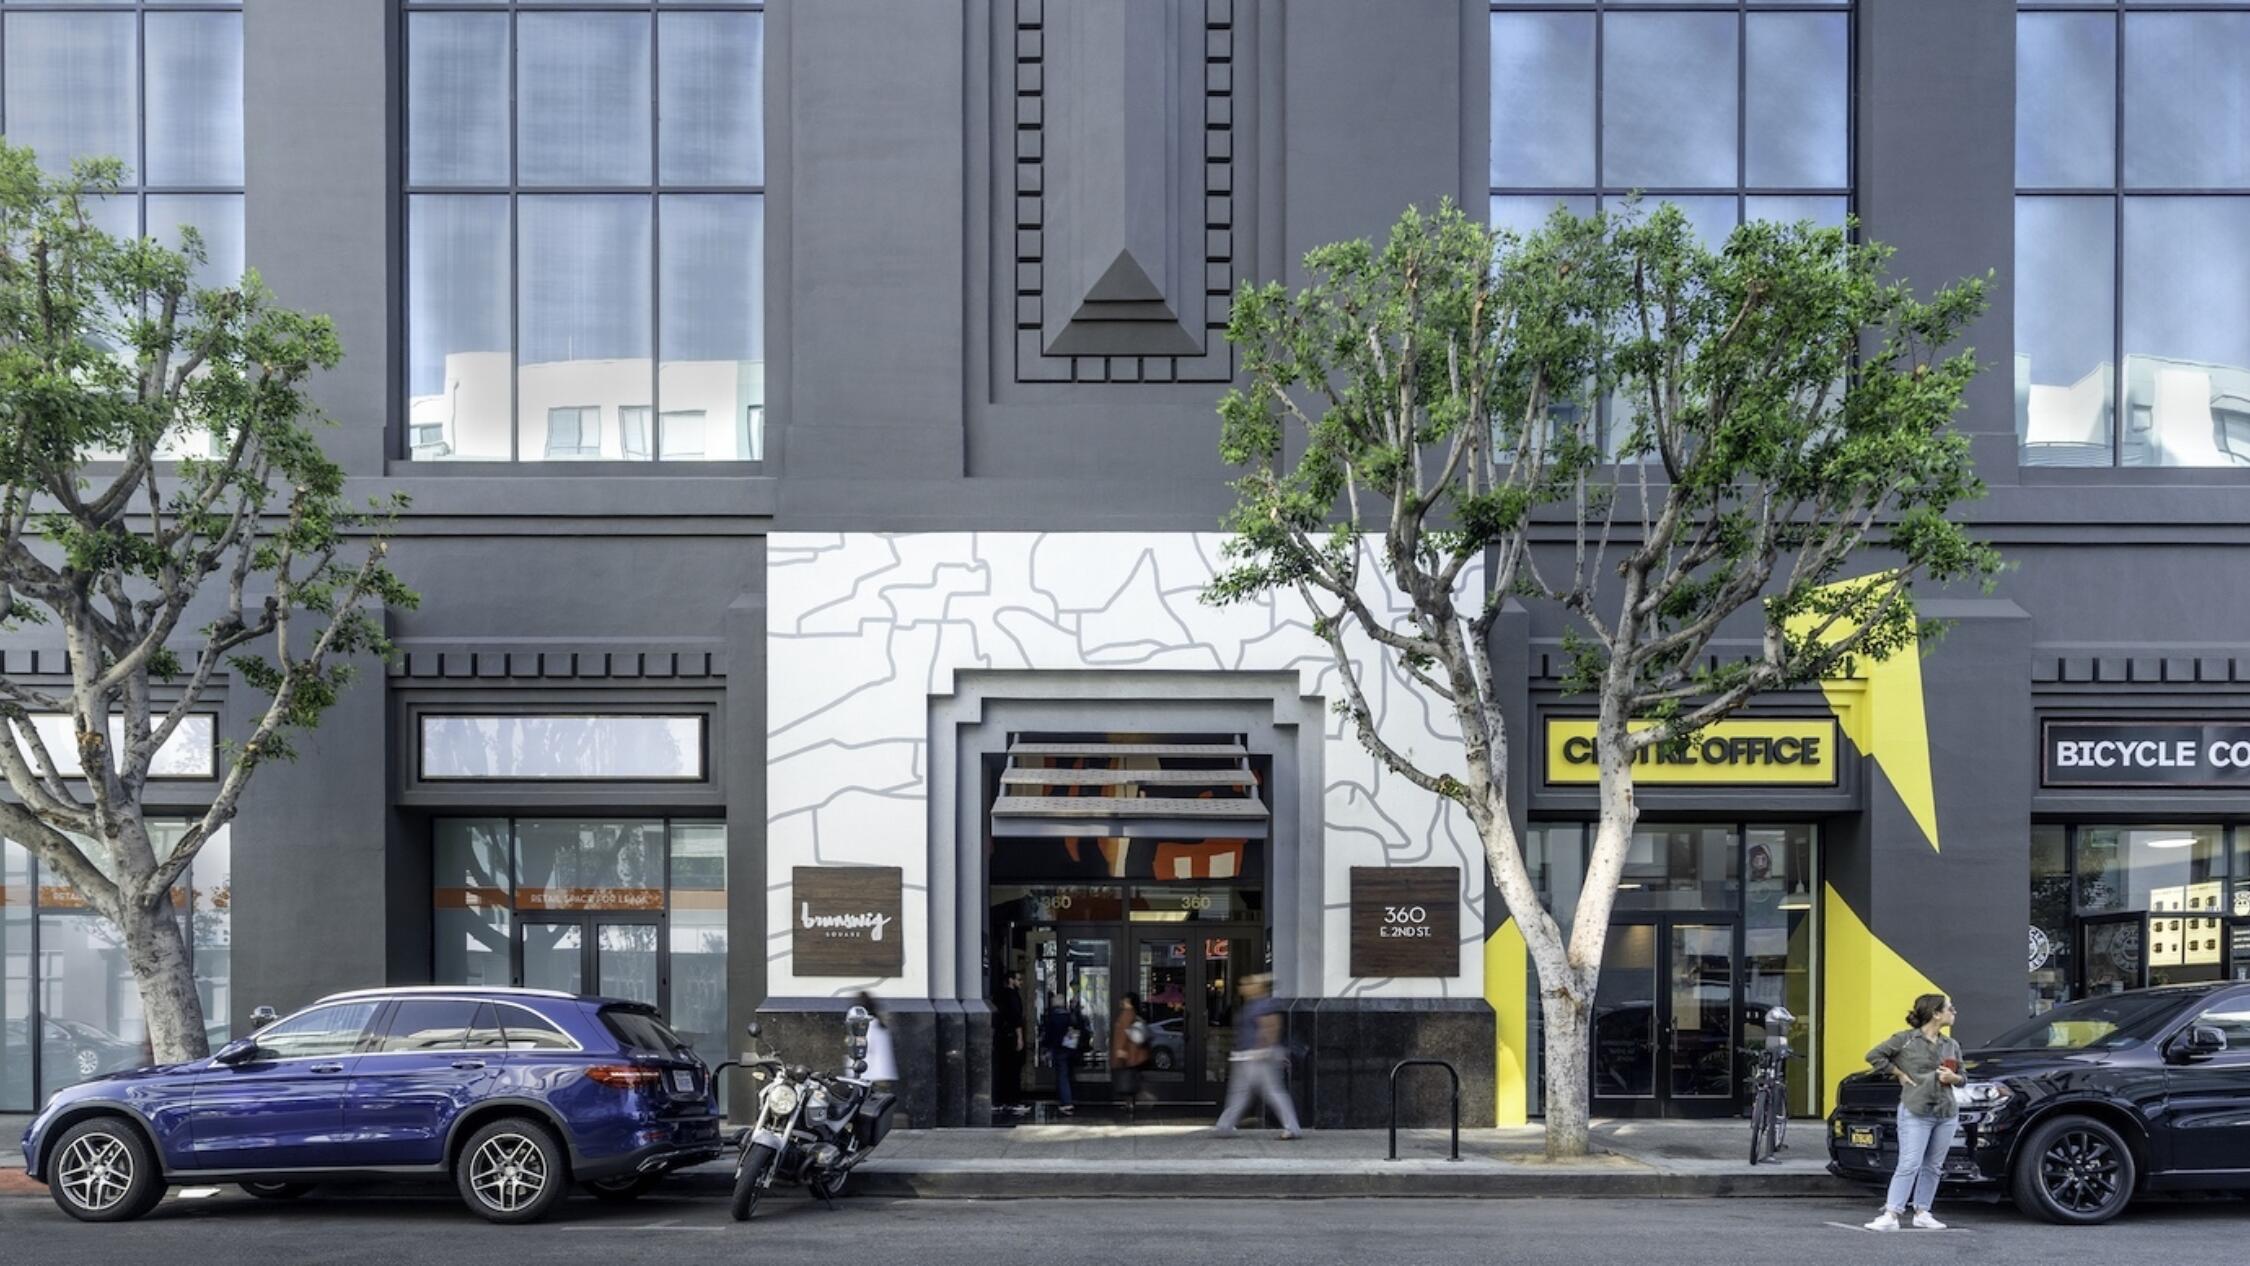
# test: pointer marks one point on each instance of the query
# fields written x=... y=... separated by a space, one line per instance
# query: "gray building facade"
x=808 y=412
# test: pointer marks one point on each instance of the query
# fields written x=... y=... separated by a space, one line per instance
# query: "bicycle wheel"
x=1780 y=1118
x=1759 y=1108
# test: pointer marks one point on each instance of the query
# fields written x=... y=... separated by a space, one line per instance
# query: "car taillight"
x=624 y=1076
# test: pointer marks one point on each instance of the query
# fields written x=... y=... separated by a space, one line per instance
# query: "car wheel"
x=1163 y=1060
x=88 y=1064
x=620 y=1190
x=2073 y=1170
x=276 y=1190
x=104 y=1171
x=511 y=1171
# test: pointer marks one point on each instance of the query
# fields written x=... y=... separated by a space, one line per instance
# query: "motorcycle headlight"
x=781 y=1098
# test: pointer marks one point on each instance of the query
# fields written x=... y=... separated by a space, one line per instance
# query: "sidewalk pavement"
x=1633 y=1159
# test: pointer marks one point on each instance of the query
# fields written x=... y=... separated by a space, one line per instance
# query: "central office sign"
x=1764 y=751
x=2144 y=754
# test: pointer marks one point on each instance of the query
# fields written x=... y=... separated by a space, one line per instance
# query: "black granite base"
x=943 y=1048
x=1340 y=1078
x=1348 y=1047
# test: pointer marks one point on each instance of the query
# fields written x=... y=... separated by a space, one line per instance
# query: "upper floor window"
x=2132 y=234
x=1733 y=109
x=585 y=227
x=156 y=86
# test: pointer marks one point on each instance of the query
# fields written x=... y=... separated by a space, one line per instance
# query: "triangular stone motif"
x=1124 y=281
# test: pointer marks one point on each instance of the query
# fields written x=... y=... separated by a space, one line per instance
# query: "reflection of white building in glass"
x=2177 y=413
x=593 y=410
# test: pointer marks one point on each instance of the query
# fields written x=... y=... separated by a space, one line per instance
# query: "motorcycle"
x=812 y=1128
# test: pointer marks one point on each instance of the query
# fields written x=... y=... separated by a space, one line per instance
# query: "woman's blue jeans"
x=1922 y=1144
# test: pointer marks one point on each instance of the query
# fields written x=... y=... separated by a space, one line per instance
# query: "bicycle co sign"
x=2144 y=754
x=1406 y=921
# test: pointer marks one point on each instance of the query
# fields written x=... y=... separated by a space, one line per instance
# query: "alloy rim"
x=508 y=1172
x=95 y=1171
x=2080 y=1171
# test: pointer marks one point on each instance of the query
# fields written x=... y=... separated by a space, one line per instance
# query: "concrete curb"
x=960 y=1182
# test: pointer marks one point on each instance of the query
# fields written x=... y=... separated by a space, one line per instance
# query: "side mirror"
x=2203 y=1040
x=239 y=1051
x=753 y=1028
x=260 y=1017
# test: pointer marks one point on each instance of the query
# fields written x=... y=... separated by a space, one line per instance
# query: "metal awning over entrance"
x=1174 y=790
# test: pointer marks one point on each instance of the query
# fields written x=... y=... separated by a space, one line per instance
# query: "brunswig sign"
x=2144 y=754
x=844 y=921
x=1761 y=751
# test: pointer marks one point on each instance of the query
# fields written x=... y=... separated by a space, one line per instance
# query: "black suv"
x=2084 y=1107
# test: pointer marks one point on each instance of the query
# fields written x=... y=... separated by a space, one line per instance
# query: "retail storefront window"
x=2117 y=907
x=69 y=1008
x=627 y=907
x=1713 y=925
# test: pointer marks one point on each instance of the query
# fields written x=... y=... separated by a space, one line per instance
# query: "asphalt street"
x=431 y=1230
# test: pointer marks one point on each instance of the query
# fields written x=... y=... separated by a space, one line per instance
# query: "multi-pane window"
x=1732 y=109
x=2132 y=234
x=619 y=906
x=2117 y=907
x=157 y=86
x=585 y=229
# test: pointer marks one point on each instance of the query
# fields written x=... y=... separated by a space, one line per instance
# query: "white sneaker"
x=1887 y=1222
x=1924 y=1222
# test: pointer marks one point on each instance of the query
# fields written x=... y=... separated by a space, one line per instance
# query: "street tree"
x=1723 y=470
x=171 y=521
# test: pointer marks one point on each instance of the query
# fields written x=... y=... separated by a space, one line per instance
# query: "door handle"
x=468 y=1063
x=328 y=1068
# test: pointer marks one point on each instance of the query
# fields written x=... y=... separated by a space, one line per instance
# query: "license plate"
x=683 y=1081
x=1861 y=1136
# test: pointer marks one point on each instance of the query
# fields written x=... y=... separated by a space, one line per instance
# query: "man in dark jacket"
x=1008 y=1046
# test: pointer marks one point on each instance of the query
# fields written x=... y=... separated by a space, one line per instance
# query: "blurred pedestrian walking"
x=1128 y=1050
x=1259 y=1064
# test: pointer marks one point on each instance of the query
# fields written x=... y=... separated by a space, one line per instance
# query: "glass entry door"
x=1665 y=1032
x=1188 y=980
x=616 y=956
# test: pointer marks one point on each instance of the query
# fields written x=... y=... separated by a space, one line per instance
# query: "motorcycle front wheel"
x=753 y=1166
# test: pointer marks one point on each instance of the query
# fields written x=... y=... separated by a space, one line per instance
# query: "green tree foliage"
x=1659 y=439
x=168 y=515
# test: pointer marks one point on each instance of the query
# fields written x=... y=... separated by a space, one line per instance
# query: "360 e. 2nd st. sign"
x=2144 y=754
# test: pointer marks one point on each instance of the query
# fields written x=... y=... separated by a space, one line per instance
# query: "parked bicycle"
x=1769 y=1088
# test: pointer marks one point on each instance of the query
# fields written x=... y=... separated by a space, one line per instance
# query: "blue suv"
x=513 y=1094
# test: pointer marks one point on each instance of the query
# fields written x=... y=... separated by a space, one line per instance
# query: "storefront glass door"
x=1084 y=946
x=616 y=956
x=1665 y=1037
x=1189 y=988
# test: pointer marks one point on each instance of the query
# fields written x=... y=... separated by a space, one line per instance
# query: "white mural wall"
x=865 y=628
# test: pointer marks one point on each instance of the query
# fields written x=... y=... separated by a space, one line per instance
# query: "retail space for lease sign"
x=2144 y=754
x=1743 y=752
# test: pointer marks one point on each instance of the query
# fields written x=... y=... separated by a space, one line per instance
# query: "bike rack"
x=1451 y=1072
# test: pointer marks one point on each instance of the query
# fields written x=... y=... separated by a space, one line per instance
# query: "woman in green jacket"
x=1927 y=1065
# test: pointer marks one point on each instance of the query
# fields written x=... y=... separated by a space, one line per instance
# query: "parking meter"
x=1779 y=1020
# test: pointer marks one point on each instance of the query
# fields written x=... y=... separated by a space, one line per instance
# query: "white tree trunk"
x=1568 y=1013
x=170 y=1005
